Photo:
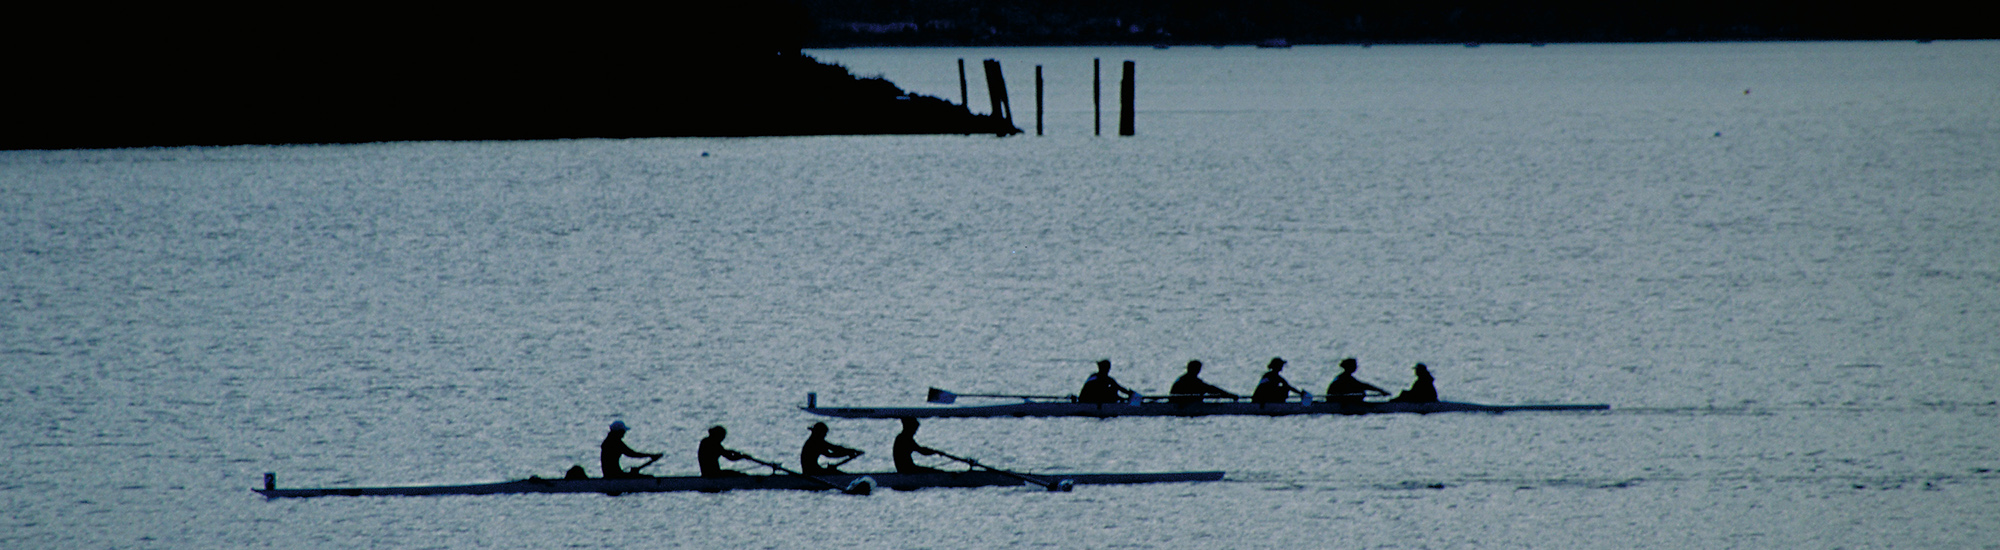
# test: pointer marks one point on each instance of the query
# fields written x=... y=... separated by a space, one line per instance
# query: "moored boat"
x=846 y=482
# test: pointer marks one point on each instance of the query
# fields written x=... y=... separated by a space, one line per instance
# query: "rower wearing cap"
x=1345 y=389
x=711 y=452
x=614 y=448
x=1190 y=389
x=816 y=446
x=1273 y=388
x=906 y=445
x=1100 y=388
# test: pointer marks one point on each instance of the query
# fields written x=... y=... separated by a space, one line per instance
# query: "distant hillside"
x=331 y=73
x=1046 y=22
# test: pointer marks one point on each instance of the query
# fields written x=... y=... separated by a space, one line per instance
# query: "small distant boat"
x=1032 y=405
x=858 y=483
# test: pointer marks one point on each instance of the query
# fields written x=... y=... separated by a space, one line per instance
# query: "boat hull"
x=789 y=482
x=1107 y=410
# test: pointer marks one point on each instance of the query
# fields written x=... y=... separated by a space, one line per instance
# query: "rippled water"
x=1779 y=263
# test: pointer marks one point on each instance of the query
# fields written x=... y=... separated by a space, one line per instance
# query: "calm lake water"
x=1778 y=262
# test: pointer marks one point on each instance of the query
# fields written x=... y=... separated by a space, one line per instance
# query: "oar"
x=1060 y=485
x=844 y=461
x=648 y=463
x=946 y=398
x=861 y=486
x=1203 y=397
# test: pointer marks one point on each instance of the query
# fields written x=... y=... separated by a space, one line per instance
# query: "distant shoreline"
x=726 y=96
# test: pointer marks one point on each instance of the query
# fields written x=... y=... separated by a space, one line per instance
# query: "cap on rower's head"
x=1194 y=366
x=1275 y=363
x=617 y=425
x=819 y=426
x=909 y=423
x=717 y=431
x=1103 y=364
x=1423 y=369
x=1349 y=364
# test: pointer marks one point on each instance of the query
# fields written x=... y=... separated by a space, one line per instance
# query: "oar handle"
x=775 y=466
x=643 y=466
x=844 y=461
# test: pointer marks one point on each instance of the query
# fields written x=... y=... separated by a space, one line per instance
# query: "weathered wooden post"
x=996 y=89
x=1038 y=100
x=1125 y=100
x=1096 y=96
x=961 y=84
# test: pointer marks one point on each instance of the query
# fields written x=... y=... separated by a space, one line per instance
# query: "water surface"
x=1779 y=263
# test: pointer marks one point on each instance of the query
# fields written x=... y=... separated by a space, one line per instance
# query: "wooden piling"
x=1038 y=100
x=996 y=89
x=1125 y=125
x=1096 y=96
x=961 y=84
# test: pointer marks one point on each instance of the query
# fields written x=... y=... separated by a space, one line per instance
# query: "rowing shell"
x=667 y=484
x=1107 y=410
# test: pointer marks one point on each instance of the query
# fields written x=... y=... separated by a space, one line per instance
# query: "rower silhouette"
x=906 y=445
x=614 y=448
x=1346 y=390
x=1100 y=388
x=816 y=446
x=1190 y=389
x=1421 y=391
x=712 y=450
x=1273 y=388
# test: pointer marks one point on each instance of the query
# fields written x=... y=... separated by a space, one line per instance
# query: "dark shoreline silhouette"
x=829 y=101
x=352 y=73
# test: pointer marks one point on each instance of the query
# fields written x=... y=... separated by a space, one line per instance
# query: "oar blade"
x=861 y=486
x=942 y=397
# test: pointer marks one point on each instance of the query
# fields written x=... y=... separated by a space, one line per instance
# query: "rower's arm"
x=626 y=450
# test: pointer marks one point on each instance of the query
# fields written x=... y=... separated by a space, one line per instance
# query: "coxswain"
x=1421 y=391
x=1273 y=388
x=614 y=448
x=712 y=451
x=816 y=446
x=1100 y=388
x=1346 y=390
x=1190 y=389
x=906 y=445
